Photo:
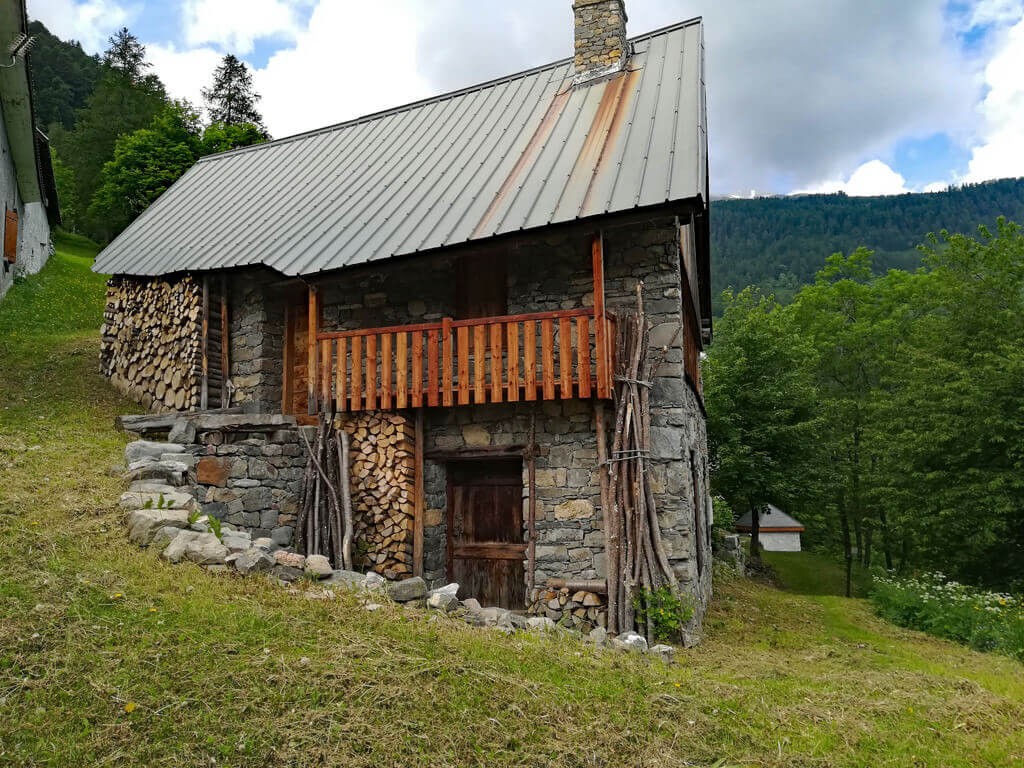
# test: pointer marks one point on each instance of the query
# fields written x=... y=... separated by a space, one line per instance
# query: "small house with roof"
x=446 y=280
x=777 y=531
x=26 y=173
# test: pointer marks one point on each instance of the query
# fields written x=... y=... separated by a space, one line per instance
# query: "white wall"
x=34 y=246
x=780 y=542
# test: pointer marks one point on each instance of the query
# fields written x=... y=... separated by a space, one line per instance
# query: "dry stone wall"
x=601 y=43
x=151 y=341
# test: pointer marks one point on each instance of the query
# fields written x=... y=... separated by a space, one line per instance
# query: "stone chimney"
x=601 y=46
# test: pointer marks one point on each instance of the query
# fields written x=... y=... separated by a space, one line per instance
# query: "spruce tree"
x=127 y=55
x=231 y=99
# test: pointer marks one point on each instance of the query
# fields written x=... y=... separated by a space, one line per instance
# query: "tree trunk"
x=844 y=526
x=755 y=531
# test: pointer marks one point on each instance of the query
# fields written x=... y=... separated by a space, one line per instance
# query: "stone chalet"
x=446 y=276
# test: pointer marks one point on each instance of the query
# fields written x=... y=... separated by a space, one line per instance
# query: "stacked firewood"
x=357 y=503
x=638 y=564
x=151 y=341
x=383 y=479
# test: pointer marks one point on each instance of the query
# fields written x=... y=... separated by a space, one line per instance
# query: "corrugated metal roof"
x=514 y=154
x=770 y=520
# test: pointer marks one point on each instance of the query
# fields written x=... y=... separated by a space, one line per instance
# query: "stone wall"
x=151 y=340
x=256 y=317
x=570 y=541
x=250 y=476
x=601 y=44
x=546 y=274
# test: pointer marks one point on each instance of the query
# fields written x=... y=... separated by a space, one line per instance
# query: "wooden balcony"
x=543 y=356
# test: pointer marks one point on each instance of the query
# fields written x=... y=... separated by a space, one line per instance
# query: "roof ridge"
x=433 y=99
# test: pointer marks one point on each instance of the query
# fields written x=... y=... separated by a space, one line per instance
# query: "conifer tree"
x=127 y=55
x=231 y=99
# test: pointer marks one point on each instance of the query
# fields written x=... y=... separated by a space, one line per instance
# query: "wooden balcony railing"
x=543 y=356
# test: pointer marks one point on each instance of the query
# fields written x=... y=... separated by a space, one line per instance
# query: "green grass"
x=808 y=573
x=217 y=668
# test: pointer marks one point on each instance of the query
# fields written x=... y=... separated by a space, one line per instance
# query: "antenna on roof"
x=19 y=48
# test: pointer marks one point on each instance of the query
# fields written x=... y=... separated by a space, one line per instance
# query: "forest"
x=883 y=408
x=118 y=139
x=777 y=243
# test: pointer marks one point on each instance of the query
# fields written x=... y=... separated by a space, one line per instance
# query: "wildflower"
x=130 y=707
x=152 y=610
x=118 y=595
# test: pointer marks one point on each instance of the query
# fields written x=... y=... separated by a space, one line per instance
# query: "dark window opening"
x=481 y=287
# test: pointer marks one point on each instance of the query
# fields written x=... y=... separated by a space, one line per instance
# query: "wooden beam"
x=287 y=374
x=419 y=502
x=225 y=341
x=204 y=397
x=600 y=327
x=313 y=327
x=487 y=452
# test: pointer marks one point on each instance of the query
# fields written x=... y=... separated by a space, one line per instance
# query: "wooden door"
x=294 y=390
x=485 y=531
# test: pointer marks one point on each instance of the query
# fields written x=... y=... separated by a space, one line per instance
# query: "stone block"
x=475 y=436
x=577 y=509
x=551 y=553
x=433 y=517
x=211 y=471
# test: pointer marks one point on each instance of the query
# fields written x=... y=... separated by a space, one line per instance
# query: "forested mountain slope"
x=779 y=243
x=63 y=77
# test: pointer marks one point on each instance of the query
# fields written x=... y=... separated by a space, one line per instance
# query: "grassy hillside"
x=110 y=657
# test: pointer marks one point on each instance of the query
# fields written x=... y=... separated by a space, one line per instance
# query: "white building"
x=27 y=186
x=778 y=531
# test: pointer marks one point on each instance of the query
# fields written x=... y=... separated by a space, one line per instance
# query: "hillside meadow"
x=110 y=657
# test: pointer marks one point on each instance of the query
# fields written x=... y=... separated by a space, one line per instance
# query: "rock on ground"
x=149 y=449
x=143 y=524
x=408 y=590
x=630 y=641
x=253 y=561
x=200 y=548
x=318 y=567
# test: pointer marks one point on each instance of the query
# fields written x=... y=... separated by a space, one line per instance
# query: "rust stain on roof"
x=608 y=124
x=527 y=159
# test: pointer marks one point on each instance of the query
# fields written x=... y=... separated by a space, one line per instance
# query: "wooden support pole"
x=600 y=324
x=225 y=343
x=419 y=507
x=287 y=373
x=608 y=519
x=204 y=396
x=312 y=366
x=531 y=521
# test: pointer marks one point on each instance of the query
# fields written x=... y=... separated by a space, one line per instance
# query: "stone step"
x=170 y=499
x=150 y=449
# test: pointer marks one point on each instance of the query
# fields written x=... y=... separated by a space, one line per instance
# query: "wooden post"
x=312 y=366
x=287 y=380
x=419 y=502
x=610 y=535
x=531 y=471
x=204 y=397
x=225 y=343
x=600 y=328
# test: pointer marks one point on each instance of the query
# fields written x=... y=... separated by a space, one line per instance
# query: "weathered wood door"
x=294 y=392
x=485 y=531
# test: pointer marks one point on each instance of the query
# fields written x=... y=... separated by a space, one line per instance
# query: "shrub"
x=667 y=610
x=986 y=621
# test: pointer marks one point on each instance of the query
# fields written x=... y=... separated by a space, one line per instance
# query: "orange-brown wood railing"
x=543 y=356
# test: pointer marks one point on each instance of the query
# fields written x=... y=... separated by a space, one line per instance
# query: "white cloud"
x=90 y=22
x=184 y=72
x=349 y=61
x=872 y=178
x=995 y=12
x=235 y=25
x=1000 y=152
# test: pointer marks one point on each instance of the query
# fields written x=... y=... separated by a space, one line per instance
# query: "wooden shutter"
x=11 y=236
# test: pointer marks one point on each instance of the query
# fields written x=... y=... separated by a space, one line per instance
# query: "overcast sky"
x=867 y=96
